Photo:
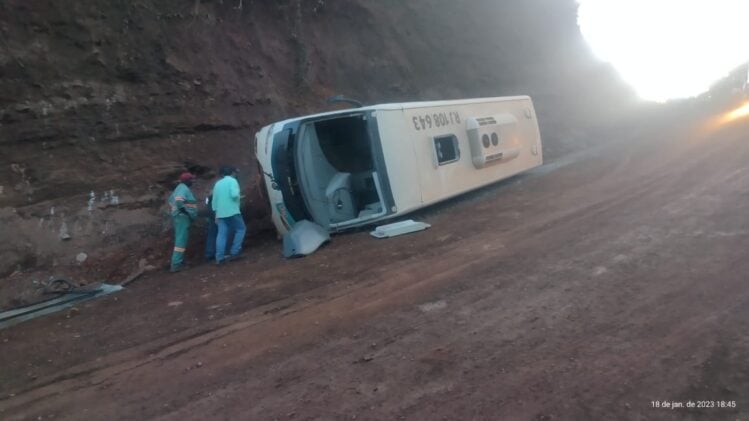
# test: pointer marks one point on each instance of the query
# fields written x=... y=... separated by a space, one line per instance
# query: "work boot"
x=179 y=268
x=234 y=257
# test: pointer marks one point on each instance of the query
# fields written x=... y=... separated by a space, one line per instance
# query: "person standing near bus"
x=211 y=229
x=184 y=209
x=225 y=204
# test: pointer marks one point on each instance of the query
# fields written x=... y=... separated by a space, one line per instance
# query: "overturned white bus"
x=354 y=167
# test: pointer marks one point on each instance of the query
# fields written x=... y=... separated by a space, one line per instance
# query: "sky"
x=668 y=49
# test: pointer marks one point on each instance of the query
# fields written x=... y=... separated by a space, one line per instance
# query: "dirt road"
x=587 y=289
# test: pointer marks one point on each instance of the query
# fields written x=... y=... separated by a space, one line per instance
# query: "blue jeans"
x=235 y=225
x=210 y=240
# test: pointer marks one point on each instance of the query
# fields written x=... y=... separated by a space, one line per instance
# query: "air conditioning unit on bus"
x=492 y=139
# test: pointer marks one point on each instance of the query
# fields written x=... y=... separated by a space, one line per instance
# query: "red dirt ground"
x=584 y=290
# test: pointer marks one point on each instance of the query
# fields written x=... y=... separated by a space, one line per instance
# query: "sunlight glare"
x=668 y=49
x=737 y=114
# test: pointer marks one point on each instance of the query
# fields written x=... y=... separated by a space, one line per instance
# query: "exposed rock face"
x=103 y=103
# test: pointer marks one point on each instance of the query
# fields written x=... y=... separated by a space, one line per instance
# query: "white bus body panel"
x=263 y=148
x=407 y=135
x=416 y=178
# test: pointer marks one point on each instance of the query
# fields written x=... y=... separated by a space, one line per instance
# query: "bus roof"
x=406 y=106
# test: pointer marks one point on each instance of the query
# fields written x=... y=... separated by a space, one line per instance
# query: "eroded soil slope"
x=103 y=103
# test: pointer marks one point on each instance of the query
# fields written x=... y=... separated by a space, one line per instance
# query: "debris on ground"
x=142 y=268
x=304 y=239
x=67 y=297
x=399 y=228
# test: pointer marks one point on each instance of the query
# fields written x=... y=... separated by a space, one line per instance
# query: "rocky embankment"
x=103 y=103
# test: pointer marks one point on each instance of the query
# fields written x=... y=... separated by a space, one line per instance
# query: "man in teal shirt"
x=184 y=208
x=225 y=203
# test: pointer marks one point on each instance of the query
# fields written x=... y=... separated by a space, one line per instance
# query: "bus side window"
x=447 y=149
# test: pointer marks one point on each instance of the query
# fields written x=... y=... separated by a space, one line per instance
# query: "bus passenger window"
x=447 y=149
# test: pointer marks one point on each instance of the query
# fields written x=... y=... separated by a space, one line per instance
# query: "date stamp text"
x=696 y=404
